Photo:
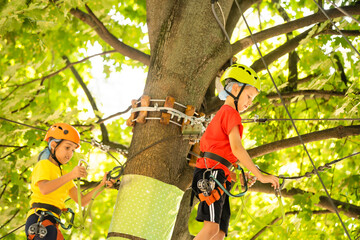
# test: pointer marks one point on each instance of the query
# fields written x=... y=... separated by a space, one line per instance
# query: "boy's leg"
x=210 y=215
x=209 y=230
x=219 y=236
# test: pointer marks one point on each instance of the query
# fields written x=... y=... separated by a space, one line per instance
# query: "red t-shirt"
x=216 y=138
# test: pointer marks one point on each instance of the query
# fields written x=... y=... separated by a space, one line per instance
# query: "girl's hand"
x=108 y=184
x=270 y=179
x=79 y=172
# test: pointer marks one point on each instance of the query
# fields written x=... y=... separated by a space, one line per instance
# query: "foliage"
x=34 y=37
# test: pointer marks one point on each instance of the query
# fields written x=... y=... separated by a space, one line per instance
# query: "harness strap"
x=48 y=207
x=219 y=159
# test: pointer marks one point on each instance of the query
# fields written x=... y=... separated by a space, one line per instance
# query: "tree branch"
x=108 y=37
x=337 y=132
x=280 y=51
x=291 y=26
x=104 y=132
x=215 y=103
x=318 y=212
x=348 y=209
x=317 y=93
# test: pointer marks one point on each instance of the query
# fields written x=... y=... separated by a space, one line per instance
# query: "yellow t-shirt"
x=46 y=170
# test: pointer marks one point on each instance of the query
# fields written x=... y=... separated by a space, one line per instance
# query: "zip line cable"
x=292 y=121
x=219 y=22
x=346 y=39
x=343 y=11
x=309 y=174
x=249 y=120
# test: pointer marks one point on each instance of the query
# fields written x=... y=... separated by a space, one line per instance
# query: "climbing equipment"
x=78 y=187
x=63 y=131
x=189 y=120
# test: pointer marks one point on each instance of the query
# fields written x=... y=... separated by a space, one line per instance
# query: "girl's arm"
x=85 y=199
x=48 y=186
x=240 y=153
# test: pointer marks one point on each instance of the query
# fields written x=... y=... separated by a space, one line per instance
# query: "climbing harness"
x=209 y=192
x=39 y=228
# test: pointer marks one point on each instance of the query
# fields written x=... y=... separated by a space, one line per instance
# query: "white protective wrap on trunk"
x=145 y=208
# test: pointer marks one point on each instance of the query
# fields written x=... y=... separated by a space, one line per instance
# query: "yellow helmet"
x=242 y=74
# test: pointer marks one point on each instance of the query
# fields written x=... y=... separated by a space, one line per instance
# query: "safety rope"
x=293 y=122
x=337 y=29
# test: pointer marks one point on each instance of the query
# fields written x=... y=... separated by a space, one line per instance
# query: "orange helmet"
x=63 y=131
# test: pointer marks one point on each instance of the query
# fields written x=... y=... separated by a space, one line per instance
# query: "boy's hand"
x=250 y=179
x=270 y=179
x=79 y=172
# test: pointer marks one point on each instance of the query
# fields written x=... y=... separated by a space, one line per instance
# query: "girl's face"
x=65 y=151
x=246 y=98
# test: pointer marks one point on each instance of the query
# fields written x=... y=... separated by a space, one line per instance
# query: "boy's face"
x=65 y=151
x=246 y=97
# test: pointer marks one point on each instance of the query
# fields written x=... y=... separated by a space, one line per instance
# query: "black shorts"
x=219 y=211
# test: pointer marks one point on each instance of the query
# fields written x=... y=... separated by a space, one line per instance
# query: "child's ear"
x=53 y=144
x=235 y=87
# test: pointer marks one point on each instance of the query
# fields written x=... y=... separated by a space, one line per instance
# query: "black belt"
x=49 y=207
x=218 y=158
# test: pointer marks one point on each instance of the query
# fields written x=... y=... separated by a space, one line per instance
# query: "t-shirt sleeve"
x=230 y=120
x=40 y=172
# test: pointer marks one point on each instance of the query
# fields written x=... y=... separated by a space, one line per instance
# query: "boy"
x=50 y=187
x=221 y=144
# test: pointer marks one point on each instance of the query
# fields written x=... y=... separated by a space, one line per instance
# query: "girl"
x=50 y=186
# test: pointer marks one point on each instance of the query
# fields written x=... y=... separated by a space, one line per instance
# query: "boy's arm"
x=48 y=186
x=240 y=153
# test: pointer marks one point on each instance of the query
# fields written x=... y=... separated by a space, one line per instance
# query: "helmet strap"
x=53 y=155
x=236 y=99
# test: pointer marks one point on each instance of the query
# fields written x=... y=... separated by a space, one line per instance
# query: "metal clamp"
x=37 y=228
x=278 y=191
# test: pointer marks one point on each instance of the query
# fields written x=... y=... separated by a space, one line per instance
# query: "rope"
x=337 y=29
x=310 y=174
x=12 y=231
x=293 y=122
